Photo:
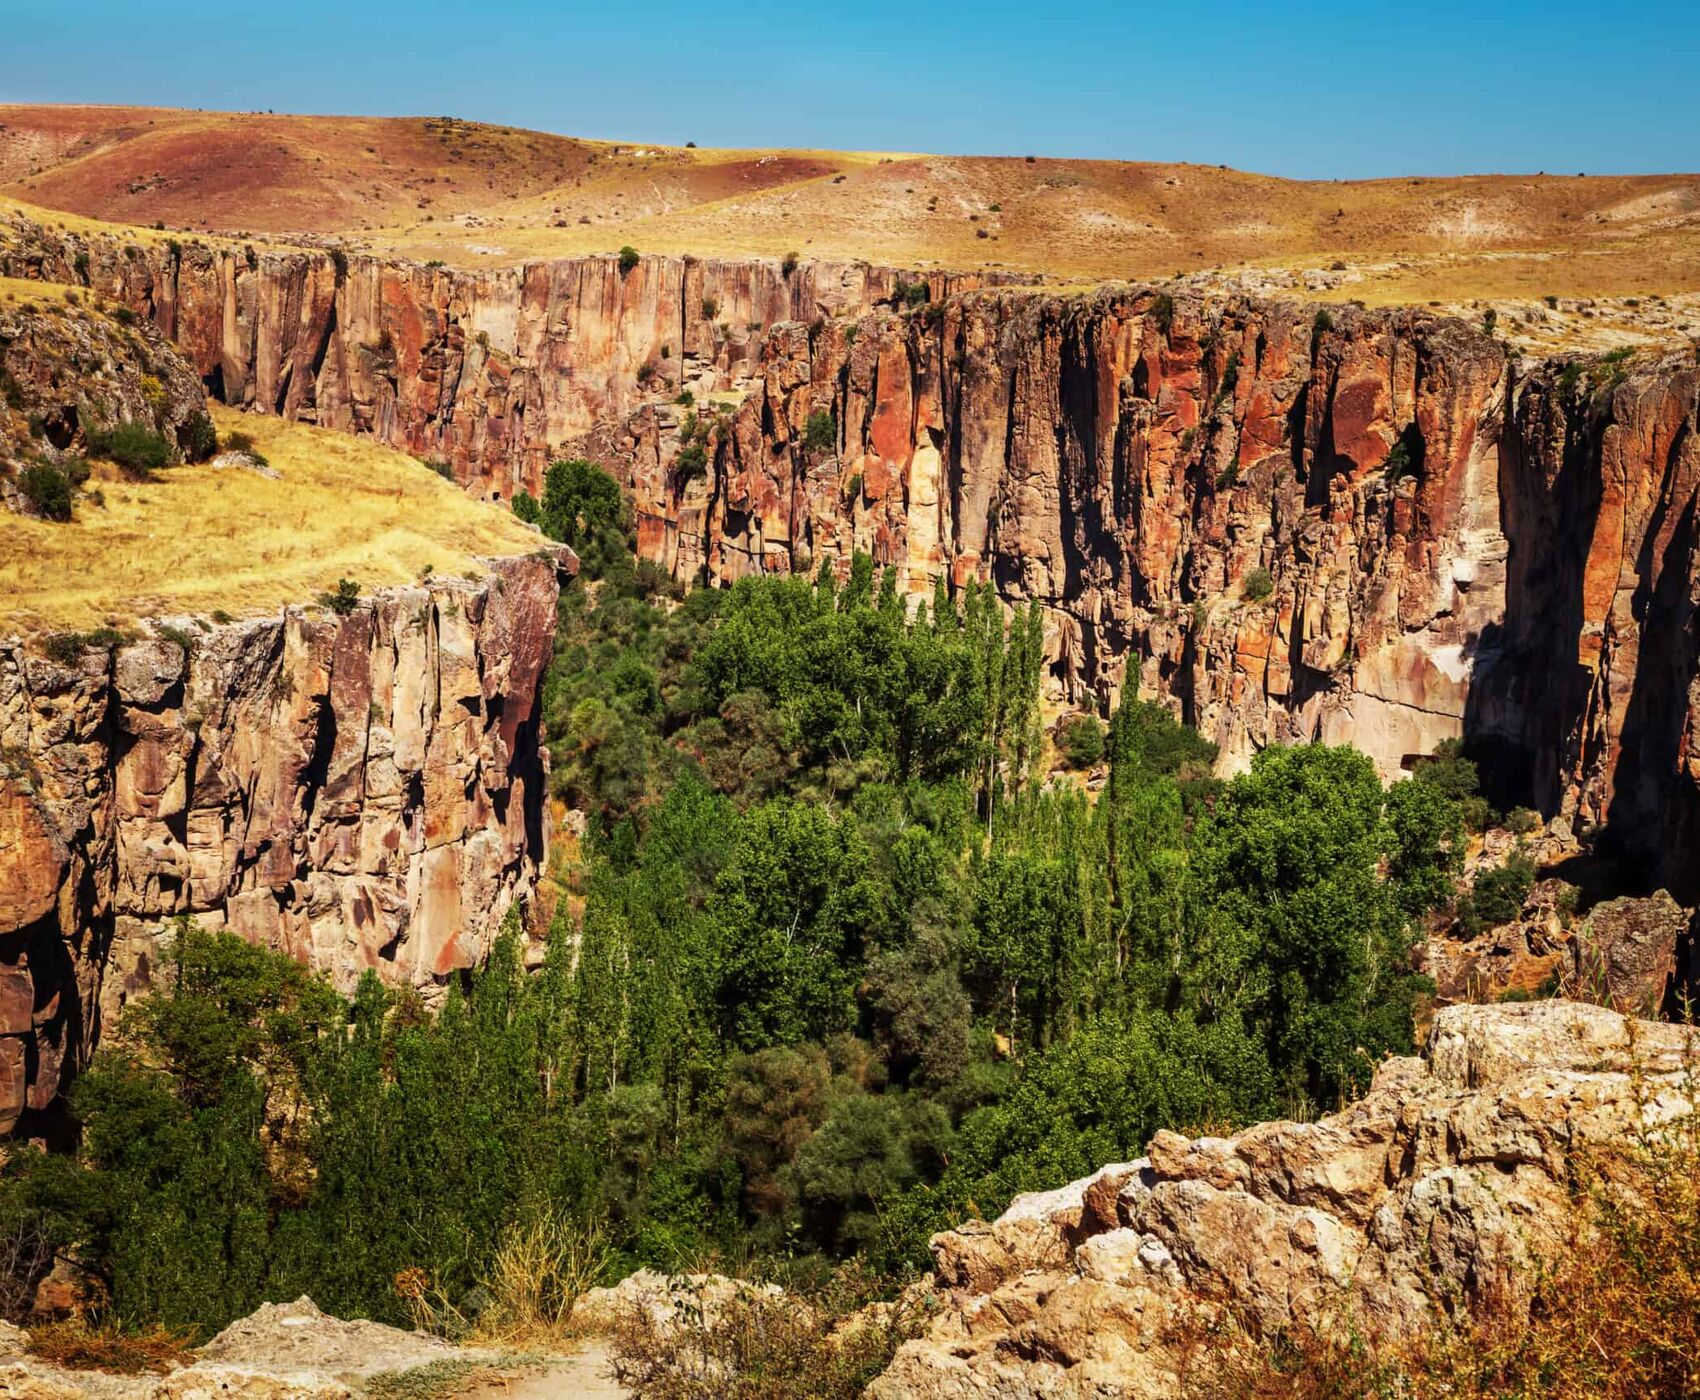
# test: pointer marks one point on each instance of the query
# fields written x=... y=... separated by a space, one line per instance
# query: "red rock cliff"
x=1364 y=527
x=495 y=372
x=361 y=792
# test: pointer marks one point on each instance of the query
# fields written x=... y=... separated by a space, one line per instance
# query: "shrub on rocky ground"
x=132 y=445
x=48 y=489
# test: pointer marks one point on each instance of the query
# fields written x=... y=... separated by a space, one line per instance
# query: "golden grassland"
x=203 y=539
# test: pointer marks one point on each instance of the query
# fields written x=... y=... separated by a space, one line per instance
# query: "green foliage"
x=198 y=437
x=629 y=258
x=1497 y=895
x=582 y=507
x=46 y=488
x=1455 y=776
x=1259 y=585
x=788 y=264
x=1322 y=324
x=526 y=508
x=1081 y=740
x=820 y=433
x=911 y=294
x=344 y=599
x=837 y=968
x=132 y=445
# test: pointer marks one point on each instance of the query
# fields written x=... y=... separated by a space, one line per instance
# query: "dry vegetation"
x=474 y=194
x=1613 y=1315
x=200 y=539
x=79 y=1345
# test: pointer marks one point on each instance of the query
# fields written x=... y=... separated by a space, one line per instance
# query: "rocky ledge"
x=361 y=791
x=1437 y=1189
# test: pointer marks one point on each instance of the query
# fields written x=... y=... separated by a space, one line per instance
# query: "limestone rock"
x=359 y=792
x=1443 y=1183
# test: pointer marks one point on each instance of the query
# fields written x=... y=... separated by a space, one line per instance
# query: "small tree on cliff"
x=582 y=507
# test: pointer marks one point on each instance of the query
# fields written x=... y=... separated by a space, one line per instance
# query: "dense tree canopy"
x=840 y=961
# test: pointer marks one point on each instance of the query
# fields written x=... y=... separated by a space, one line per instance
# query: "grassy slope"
x=196 y=539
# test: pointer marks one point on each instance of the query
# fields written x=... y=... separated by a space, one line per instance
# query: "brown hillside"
x=469 y=193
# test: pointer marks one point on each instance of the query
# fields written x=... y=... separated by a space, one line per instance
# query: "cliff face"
x=361 y=792
x=494 y=372
x=1371 y=528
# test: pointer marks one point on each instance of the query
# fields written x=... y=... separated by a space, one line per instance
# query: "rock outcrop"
x=363 y=791
x=68 y=367
x=1435 y=1191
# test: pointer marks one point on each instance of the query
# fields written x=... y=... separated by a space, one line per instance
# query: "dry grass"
x=78 y=1346
x=758 y=1347
x=483 y=195
x=198 y=539
x=541 y=1270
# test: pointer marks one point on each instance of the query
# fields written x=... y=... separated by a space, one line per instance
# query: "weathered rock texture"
x=1372 y=528
x=359 y=791
x=1441 y=1186
x=495 y=372
x=68 y=367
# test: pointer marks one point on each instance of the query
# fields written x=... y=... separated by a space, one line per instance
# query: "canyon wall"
x=494 y=372
x=1379 y=527
x=1368 y=527
x=363 y=791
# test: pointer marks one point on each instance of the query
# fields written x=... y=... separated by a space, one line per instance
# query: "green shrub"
x=820 y=433
x=629 y=258
x=911 y=294
x=691 y=462
x=48 y=489
x=1081 y=741
x=1163 y=312
x=81 y=263
x=788 y=264
x=1259 y=585
x=199 y=437
x=345 y=599
x=1323 y=323
x=441 y=468
x=1498 y=894
x=132 y=445
x=526 y=508
x=64 y=647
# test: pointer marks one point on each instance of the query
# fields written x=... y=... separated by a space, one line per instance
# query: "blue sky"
x=1322 y=90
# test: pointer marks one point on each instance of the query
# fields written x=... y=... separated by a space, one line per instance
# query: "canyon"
x=1375 y=525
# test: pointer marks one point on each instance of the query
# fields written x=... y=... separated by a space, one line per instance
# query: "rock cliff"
x=1365 y=527
x=363 y=791
x=1433 y=1192
x=1375 y=527
x=494 y=372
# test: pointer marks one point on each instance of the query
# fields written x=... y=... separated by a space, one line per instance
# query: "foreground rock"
x=283 y=1351
x=363 y=791
x=1437 y=1189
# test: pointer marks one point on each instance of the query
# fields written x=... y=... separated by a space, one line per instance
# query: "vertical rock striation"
x=361 y=792
x=495 y=372
x=1364 y=527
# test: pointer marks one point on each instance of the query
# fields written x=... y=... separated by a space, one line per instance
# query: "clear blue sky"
x=1319 y=90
